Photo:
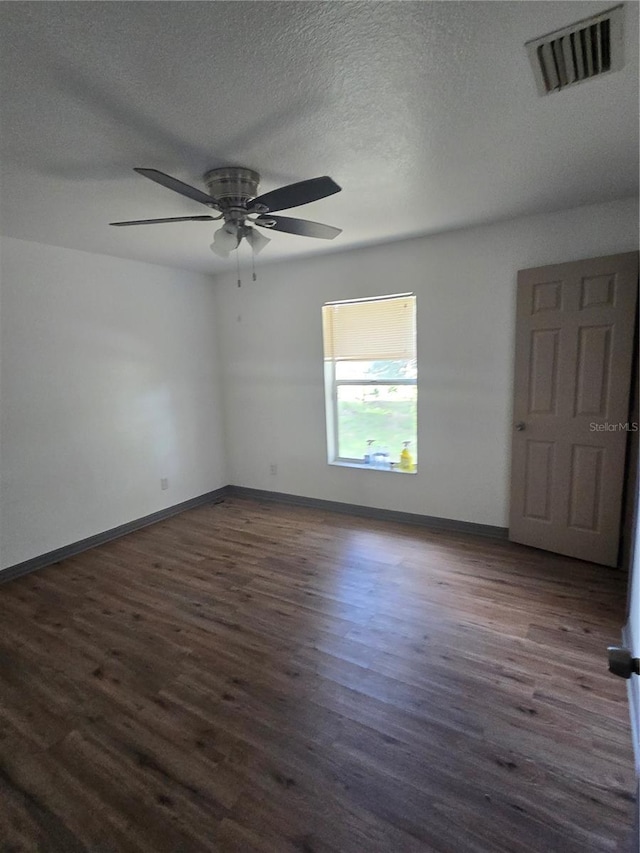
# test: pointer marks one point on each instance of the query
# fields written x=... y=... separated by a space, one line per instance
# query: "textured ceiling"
x=425 y=113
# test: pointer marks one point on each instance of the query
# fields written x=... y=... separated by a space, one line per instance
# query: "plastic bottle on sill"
x=406 y=459
x=368 y=453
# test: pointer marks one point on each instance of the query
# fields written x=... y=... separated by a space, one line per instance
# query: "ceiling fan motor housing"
x=232 y=187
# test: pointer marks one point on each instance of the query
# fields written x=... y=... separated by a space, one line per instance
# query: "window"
x=371 y=381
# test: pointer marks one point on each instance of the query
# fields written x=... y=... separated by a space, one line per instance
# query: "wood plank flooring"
x=255 y=677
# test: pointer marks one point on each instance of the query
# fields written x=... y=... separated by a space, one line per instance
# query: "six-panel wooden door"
x=574 y=350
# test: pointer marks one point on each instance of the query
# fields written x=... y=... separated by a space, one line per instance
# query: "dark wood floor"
x=250 y=677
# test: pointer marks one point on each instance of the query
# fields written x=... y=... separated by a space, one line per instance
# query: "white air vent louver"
x=587 y=49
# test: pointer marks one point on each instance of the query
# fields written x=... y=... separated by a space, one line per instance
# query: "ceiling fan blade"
x=303 y=227
x=171 y=219
x=293 y=195
x=177 y=186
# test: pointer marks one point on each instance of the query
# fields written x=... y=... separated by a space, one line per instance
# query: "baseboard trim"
x=108 y=535
x=433 y=522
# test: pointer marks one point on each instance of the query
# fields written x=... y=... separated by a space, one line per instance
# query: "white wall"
x=109 y=381
x=271 y=338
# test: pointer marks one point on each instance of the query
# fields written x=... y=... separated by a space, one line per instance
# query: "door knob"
x=621 y=663
x=520 y=426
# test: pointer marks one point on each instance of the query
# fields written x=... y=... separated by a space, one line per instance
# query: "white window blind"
x=366 y=330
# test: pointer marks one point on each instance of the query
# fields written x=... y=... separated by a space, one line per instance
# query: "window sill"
x=364 y=467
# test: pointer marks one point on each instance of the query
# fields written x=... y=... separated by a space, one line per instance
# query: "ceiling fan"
x=232 y=191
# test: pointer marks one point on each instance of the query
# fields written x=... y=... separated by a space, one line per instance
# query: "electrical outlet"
x=273 y=468
x=164 y=483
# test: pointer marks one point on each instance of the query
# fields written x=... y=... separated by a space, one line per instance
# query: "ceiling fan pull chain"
x=253 y=264
x=238 y=266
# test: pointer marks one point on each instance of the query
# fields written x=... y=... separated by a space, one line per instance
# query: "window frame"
x=331 y=399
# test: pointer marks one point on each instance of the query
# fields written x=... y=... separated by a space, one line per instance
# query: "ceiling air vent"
x=579 y=52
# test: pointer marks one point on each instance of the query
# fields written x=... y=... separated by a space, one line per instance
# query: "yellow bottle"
x=406 y=459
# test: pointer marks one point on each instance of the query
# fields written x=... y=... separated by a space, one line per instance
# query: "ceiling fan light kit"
x=225 y=240
x=256 y=240
x=232 y=192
